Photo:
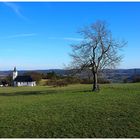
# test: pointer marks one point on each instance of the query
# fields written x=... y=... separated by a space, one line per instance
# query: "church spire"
x=15 y=69
x=15 y=73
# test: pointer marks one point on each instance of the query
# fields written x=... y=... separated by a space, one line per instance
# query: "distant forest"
x=113 y=75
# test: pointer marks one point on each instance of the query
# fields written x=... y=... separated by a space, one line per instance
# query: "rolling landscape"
x=114 y=75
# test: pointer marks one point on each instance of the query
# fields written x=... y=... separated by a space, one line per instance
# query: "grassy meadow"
x=70 y=112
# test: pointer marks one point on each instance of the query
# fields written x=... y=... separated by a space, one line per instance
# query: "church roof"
x=23 y=79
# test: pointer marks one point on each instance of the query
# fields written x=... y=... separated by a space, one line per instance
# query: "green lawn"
x=72 y=111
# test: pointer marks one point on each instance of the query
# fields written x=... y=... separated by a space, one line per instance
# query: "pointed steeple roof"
x=15 y=69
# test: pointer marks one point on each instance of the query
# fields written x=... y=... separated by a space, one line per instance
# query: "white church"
x=22 y=80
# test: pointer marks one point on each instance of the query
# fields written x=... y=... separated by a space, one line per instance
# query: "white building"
x=22 y=80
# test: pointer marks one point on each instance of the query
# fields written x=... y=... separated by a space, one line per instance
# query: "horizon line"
x=64 y=69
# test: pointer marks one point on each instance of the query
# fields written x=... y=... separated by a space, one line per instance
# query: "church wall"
x=24 y=84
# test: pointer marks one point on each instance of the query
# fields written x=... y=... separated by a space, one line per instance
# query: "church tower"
x=15 y=73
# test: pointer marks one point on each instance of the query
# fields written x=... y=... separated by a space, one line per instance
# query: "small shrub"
x=125 y=80
x=57 y=83
x=61 y=83
x=86 y=81
x=72 y=80
x=103 y=81
x=136 y=79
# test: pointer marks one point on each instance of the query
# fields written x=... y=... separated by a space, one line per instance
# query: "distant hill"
x=114 y=75
x=21 y=72
x=118 y=75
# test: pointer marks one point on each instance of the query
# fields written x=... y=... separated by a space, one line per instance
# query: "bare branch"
x=98 y=50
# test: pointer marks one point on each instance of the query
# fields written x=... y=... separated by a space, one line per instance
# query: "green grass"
x=72 y=111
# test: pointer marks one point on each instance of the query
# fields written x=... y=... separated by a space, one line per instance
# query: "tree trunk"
x=95 y=82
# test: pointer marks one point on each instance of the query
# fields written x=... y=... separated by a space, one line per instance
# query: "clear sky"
x=37 y=35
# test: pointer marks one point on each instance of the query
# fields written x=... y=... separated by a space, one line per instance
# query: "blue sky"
x=37 y=35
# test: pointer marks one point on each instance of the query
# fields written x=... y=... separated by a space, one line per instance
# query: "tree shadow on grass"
x=85 y=91
x=27 y=93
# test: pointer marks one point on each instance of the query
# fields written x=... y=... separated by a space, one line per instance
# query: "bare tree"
x=97 y=51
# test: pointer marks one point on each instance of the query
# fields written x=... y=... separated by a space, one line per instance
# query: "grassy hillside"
x=71 y=111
